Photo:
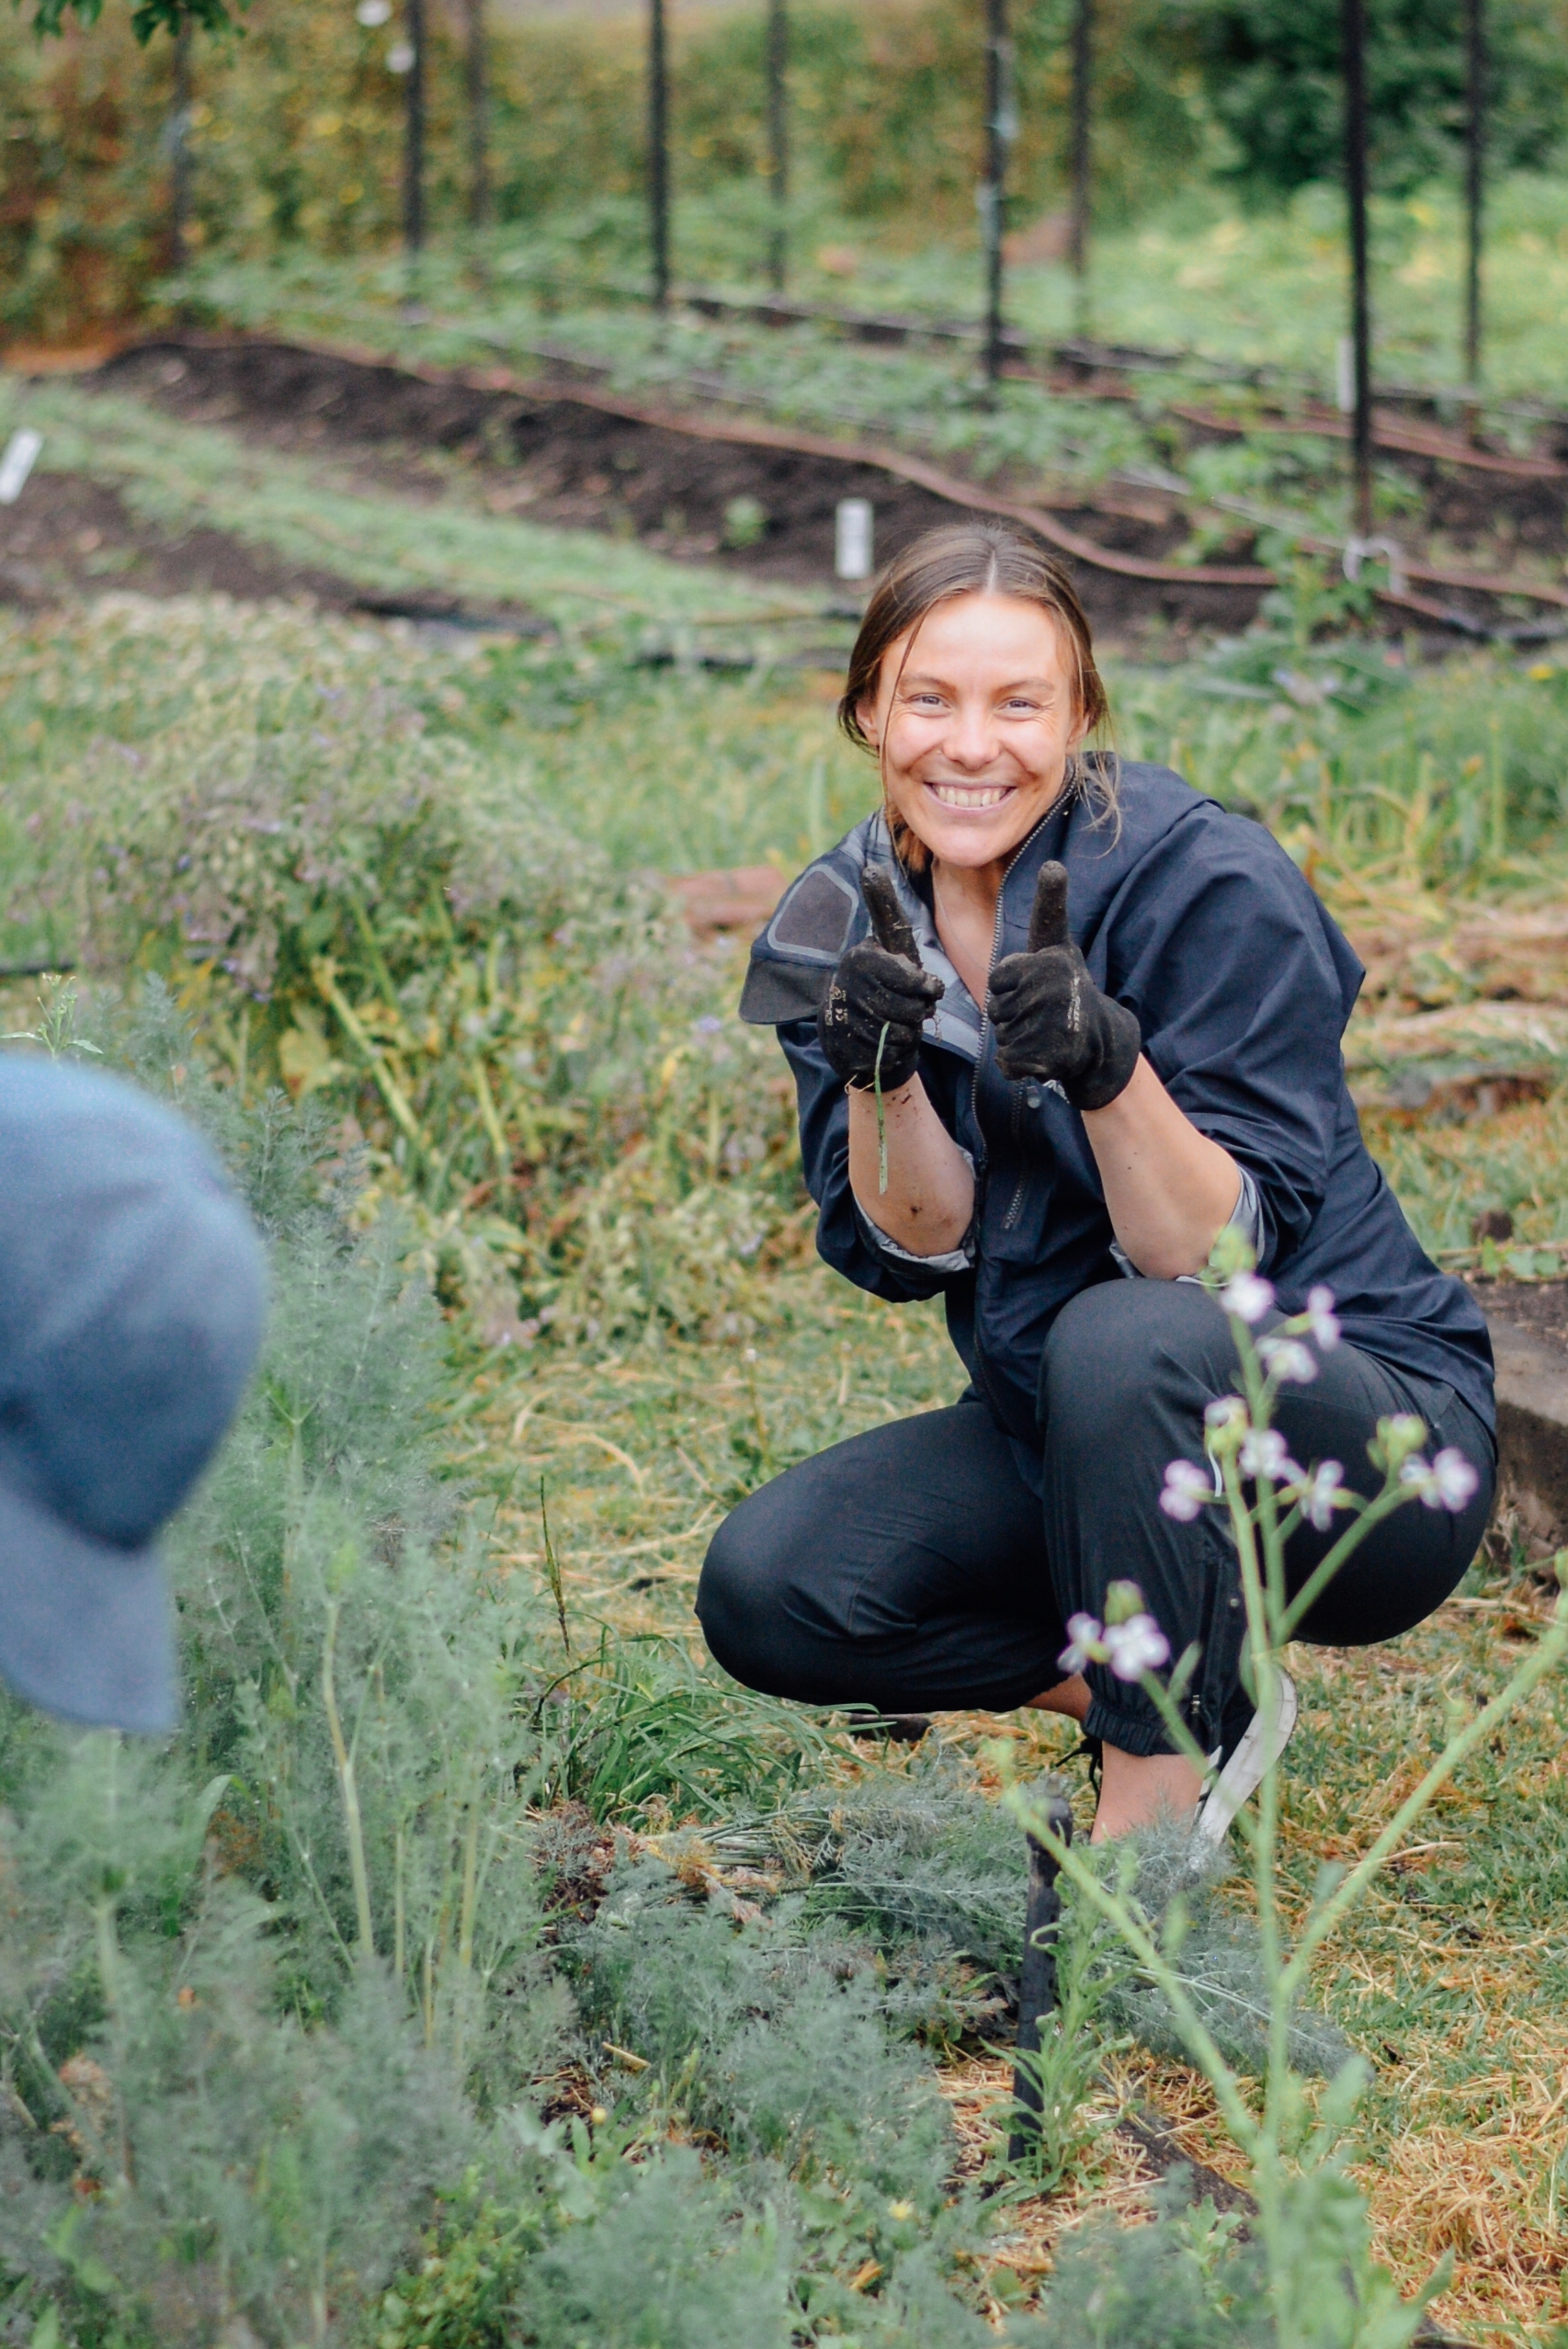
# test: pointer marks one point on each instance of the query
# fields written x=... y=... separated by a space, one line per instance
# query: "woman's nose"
x=970 y=738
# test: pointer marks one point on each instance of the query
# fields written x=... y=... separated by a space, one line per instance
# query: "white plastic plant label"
x=21 y=455
x=852 y=534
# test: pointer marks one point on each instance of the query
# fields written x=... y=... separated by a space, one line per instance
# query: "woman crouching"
x=1104 y=1019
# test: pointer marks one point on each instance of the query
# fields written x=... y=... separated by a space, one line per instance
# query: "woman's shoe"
x=1243 y=1774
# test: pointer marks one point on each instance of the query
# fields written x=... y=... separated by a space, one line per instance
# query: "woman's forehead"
x=987 y=632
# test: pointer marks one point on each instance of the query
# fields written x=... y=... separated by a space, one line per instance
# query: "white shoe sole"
x=1244 y=1773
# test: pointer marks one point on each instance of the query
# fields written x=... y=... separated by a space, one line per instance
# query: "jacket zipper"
x=974 y=1113
x=985 y=1012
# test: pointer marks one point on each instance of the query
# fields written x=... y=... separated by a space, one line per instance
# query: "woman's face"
x=976 y=731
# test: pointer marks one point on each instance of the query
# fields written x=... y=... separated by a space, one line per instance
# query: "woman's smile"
x=965 y=796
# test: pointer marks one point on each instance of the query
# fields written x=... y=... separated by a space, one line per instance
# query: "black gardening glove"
x=1051 y=1019
x=877 y=985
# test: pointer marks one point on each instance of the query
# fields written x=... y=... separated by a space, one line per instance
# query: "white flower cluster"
x=1260 y=1453
x=1285 y=1354
x=1132 y=1644
x=1446 y=1482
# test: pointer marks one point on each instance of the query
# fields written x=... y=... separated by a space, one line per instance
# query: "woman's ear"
x=865 y=718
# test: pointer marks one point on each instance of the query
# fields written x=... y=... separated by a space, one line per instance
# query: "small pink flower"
x=1287 y=1358
x=1188 y=1491
x=1321 y=1494
x=1085 y=1646
x=1321 y=1319
x=1448 y=1483
x=1136 y=1647
x=1247 y=1296
x=1262 y=1454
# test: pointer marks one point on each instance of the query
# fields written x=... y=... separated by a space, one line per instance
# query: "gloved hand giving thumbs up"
x=877 y=985
x=1051 y=1019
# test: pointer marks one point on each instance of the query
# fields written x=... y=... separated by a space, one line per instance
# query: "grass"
x=642 y=1420
x=1262 y=288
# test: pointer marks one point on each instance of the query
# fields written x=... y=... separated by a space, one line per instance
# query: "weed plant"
x=635 y=1724
x=1320 y=2289
x=366 y=907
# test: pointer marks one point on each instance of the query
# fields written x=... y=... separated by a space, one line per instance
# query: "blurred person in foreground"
x=131 y=1299
x=1103 y=1015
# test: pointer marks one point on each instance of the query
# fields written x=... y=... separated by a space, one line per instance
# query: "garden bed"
x=560 y=457
x=68 y=536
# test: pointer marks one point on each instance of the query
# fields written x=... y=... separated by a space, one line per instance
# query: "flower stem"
x=881 y=1114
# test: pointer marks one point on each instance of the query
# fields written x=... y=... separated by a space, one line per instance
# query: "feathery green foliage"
x=1217 y=1951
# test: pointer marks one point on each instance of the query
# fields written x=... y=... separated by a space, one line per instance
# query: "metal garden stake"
x=179 y=153
x=1036 y=1979
x=478 y=116
x=1000 y=127
x=1083 y=161
x=414 y=136
x=1353 y=21
x=1474 y=181
x=779 y=139
x=659 y=154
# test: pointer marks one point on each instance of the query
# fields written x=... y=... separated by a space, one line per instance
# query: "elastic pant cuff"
x=1128 y=1732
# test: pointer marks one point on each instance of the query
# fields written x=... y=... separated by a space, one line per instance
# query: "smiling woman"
x=1056 y=1022
x=977 y=711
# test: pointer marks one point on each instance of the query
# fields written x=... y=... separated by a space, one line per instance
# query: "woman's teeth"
x=971 y=795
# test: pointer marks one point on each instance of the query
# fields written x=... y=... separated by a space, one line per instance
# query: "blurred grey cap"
x=132 y=1291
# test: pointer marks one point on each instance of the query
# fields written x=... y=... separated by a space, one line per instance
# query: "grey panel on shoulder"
x=775 y=992
x=813 y=917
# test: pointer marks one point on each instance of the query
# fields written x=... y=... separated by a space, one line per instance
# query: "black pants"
x=913 y=1569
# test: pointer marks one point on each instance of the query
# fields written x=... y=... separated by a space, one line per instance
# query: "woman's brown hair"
x=973 y=559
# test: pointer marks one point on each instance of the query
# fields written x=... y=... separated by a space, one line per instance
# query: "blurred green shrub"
x=1271 y=75
x=295 y=132
x=369 y=908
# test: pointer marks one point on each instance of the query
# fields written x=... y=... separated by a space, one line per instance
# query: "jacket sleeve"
x=1243 y=988
x=845 y=1239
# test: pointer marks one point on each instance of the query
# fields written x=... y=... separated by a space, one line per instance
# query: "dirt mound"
x=557 y=456
x=67 y=536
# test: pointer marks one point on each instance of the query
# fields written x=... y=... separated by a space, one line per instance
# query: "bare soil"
x=554 y=454
x=559 y=459
x=1537 y=1305
x=67 y=536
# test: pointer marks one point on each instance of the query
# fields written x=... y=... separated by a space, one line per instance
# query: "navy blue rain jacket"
x=1198 y=923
